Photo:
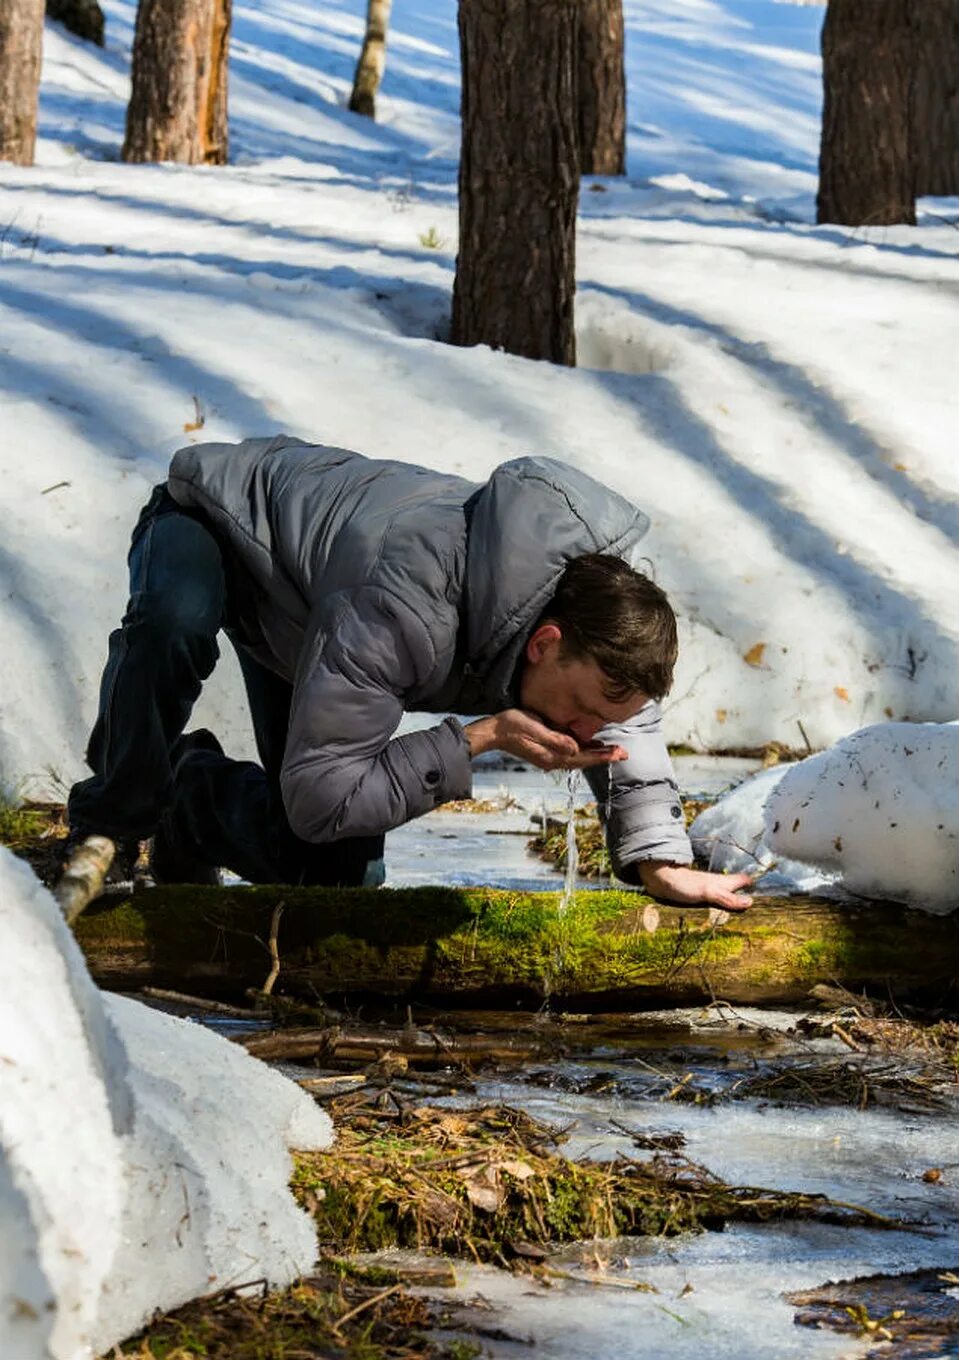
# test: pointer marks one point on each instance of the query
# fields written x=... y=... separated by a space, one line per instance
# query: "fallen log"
x=613 y=950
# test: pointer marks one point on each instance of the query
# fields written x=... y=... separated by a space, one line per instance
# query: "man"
x=354 y=590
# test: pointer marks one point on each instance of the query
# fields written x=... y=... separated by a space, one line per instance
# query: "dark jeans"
x=224 y=812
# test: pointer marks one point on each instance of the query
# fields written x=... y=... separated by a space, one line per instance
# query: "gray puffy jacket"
x=377 y=587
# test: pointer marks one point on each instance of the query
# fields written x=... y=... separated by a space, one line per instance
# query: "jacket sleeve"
x=344 y=773
x=639 y=797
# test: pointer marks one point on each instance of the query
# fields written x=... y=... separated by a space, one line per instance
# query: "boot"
x=170 y=860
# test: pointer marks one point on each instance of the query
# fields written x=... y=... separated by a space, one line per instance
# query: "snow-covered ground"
x=143 y=1160
x=781 y=398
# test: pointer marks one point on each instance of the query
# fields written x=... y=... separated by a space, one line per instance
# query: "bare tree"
x=21 y=40
x=936 y=97
x=519 y=178
x=177 y=109
x=602 y=88
x=866 y=164
x=372 y=62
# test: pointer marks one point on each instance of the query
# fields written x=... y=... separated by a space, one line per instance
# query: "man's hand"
x=679 y=883
x=521 y=735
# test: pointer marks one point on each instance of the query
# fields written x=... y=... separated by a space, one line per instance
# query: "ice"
x=877 y=813
x=881 y=807
x=719 y=1294
x=143 y=1161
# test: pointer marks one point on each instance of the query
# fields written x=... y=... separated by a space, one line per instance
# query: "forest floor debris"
x=339 y=1310
x=492 y=1183
x=916 y=1314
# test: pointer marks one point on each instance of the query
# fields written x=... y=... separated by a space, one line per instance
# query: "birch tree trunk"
x=866 y=170
x=519 y=178
x=178 y=104
x=372 y=62
x=936 y=97
x=602 y=88
x=21 y=39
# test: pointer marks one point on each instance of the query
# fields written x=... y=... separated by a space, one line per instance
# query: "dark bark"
x=602 y=88
x=21 y=39
x=519 y=178
x=866 y=175
x=178 y=103
x=82 y=17
x=936 y=97
x=610 y=951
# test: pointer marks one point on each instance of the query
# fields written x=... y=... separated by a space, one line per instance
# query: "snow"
x=881 y=809
x=876 y=814
x=143 y=1160
x=779 y=397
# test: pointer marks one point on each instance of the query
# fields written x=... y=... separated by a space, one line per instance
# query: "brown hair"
x=621 y=620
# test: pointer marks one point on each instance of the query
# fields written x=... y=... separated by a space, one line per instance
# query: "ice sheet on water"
x=734 y=1309
x=877 y=813
x=143 y=1161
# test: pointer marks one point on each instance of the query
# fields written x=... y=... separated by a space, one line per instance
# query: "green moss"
x=19 y=824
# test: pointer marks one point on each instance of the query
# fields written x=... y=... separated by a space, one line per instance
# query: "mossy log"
x=610 y=950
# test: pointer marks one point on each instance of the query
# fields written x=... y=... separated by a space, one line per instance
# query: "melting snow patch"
x=878 y=812
x=143 y=1161
x=882 y=808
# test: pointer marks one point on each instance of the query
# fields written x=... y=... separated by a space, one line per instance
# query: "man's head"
x=605 y=644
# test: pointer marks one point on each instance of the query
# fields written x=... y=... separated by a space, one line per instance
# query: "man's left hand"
x=694 y=887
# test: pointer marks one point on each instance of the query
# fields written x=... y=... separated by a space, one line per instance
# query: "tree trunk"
x=519 y=178
x=936 y=97
x=613 y=950
x=866 y=171
x=21 y=39
x=372 y=62
x=602 y=88
x=177 y=109
x=82 y=17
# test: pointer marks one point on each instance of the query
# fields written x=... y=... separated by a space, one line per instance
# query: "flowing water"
x=717 y=1295
x=573 y=782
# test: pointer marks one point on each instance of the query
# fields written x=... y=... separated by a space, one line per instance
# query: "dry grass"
x=331 y=1315
x=491 y=1184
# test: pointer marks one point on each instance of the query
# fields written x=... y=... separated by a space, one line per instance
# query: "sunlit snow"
x=143 y=1160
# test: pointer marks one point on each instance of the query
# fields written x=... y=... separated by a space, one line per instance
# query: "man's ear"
x=542 y=641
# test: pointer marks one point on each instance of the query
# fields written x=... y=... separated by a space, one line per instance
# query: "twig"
x=274 y=972
x=846 y=1038
x=367 y=1303
x=199 y=1003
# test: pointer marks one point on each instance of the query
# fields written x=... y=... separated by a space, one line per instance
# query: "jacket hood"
x=527 y=522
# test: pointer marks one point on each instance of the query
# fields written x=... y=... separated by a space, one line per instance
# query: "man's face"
x=568 y=693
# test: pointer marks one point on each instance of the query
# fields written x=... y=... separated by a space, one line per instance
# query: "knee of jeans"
x=190 y=611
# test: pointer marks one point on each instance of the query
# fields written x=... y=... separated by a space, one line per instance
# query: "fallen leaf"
x=754 y=657
x=520 y=1171
x=483 y=1188
x=722 y=714
x=841 y=692
x=932 y=1176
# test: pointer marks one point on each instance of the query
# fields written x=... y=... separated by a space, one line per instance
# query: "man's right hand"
x=520 y=734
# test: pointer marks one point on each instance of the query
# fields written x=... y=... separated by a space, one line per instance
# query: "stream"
x=717 y=1294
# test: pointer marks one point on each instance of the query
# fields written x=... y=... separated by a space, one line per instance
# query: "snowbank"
x=143 y=1160
x=779 y=397
x=877 y=813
